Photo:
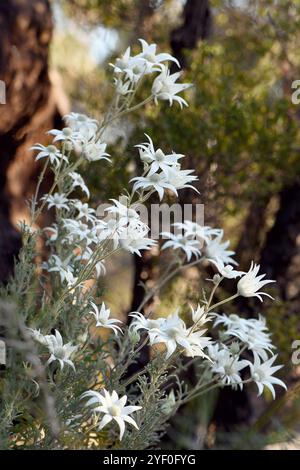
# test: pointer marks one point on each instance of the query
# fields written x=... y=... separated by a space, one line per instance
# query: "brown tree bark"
x=281 y=252
x=30 y=109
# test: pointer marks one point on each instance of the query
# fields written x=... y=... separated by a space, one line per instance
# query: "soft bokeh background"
x=240 y=132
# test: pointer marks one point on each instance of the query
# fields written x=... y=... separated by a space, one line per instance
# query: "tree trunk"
x=196 y=25
x=30 y=109
x=281 y=252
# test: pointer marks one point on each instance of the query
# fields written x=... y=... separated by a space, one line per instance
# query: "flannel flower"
x=81 y=124
x=165 y=87
x=112 y=407
x=227 y=366
x=172 y=332
x=157 y=182
x=156 y=159
x=250 y=283
x=251 y=331
x=152 y=58
x=189 y=246
x=194 y=230
x=51 y=152
x=227 y=271
x=216 y=251
x=102 y=318
x=60 y=352
x=57 y=200
x=262 y=374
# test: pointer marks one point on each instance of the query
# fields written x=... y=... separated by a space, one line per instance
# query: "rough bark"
x=30 y=109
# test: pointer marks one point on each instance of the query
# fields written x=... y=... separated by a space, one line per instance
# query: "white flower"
x=189 y=246
x=50 y=152
x=197 y=343
x=133 y=67
x=227 y=366
x=122 y=88
x=95 y=150
x=262 y=374
x=252 y=332
x=172 y=332
x=102 y=318
x=84 y=211
x=133 y=237
x=231 y=322
x=216 y=251
x=52 y=237
x=108 y=230
x=71 y=280
x=157 y=182
x=59 y=351
x=156 y=158
x=194 y=230
x=227 y=271
x=39 y=337
x=60 y=201
x=113 y=408
x=84 y=126
x=65 y=135
x=79 y=231
x=250 y=283
x=149 y=55
x=180 y=179
x=78 y=181
x=165 y=87
x=140 y=322
x=123 y=213
x=199 y=315
x=56 y=264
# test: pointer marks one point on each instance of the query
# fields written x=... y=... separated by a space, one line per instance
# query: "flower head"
x=157 y=159
x=60 y=352
x=217 y=252
x=227 y=366
x=189 y=246
x=102 y=318
x=250 y=283
x=262 y=374
x=58 y=200
x=152 y=58
x=84 y=127
x=140 y=322
x=227 y=271
x=78 y=182
x=51 y=152
x=165 y=87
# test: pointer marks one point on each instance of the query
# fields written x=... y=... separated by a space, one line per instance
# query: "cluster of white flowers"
x=251 y=335
x=58 y=350
x=161 y=172
x=79 y=242
x=129 y=70
x=173 y=333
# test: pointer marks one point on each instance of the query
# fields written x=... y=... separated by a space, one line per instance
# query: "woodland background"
x=240 y=132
